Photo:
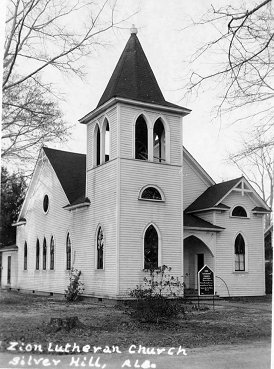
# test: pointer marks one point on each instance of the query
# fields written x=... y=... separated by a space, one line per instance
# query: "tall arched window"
x=141 y=139
x=37 y=255
x=239 y=249
x=97 y=145
x=25 y=256
x=44 y=254
x=159 y=149
x=51 y=265
x=106 y=140
x=68 y=252
x=151 y=248
x=100 y=249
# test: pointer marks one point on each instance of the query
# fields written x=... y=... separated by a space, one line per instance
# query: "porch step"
x=192 y=295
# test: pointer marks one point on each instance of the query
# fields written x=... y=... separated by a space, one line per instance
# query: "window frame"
x=159 y=251
x=37 y=255
x=25 y=255
x=153 y=200
x=68 y=252
x=44 y=254
x=237 y=255
x=46 y=196
x=238 y=216
x=52 y=253
x=102 y=258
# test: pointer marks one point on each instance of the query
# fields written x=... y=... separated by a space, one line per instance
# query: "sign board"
x=206 y=281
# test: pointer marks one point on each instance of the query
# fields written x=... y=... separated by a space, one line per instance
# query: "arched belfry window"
x=97 y=145
x=239 y=211
x=239 y=249
x=44 y=254
x=151 y=248
x=52 y=253
x=100 y=248
x=37 y=254
x=141 y=139
x=68 y=252
x=159 y=144
x=25 y=256
x=106 y=140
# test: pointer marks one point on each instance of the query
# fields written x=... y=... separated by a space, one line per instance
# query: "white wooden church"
x=137 y=200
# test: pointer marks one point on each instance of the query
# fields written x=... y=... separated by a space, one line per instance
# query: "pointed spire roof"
x=133 y=77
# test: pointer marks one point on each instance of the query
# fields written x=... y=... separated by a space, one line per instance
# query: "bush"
x=75 y=287
x=158 y=297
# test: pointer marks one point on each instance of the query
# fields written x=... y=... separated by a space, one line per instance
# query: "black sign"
x=205 y=281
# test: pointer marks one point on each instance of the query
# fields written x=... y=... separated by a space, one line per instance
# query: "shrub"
x=157 y=298
x=75 y=287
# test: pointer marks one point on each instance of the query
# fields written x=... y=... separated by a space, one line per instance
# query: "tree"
x=45 y=35
x=255 y=160
x=13 y=188
x=244 y=41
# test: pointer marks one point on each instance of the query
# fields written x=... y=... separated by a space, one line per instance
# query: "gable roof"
x=133 y=78
x=70 y=169
x=212 y=195
x=192 y=221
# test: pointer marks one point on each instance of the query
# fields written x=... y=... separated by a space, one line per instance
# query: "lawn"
x=25 y=318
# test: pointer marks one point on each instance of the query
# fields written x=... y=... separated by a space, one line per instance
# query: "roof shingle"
x=133 y=78
x=70 y=169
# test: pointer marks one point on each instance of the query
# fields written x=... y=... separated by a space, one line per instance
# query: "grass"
x=25 y=318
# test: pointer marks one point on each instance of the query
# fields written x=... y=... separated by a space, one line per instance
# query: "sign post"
x=206 y=285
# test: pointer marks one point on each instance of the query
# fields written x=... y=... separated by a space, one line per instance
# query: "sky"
x=168 y=43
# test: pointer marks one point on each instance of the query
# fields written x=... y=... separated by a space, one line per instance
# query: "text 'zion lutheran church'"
x=137 y=200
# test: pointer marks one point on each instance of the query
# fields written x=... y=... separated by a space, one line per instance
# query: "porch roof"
x=194 y=222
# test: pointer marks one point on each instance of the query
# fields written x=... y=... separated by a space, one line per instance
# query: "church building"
x=136 y=200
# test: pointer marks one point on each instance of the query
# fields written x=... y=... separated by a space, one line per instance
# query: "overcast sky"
x=168 y=47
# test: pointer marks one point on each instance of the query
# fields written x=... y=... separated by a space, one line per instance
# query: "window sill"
x=240 y=272
x=150 y=200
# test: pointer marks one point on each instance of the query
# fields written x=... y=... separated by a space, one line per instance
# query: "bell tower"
x=134 y=173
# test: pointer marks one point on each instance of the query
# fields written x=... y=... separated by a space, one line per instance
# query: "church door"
x=9 y=270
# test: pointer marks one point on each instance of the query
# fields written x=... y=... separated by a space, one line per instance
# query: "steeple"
x=133 y=77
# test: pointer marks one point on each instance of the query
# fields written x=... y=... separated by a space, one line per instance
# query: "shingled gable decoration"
x=134 y=142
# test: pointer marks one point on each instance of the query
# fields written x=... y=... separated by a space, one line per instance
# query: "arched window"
x=141 y=139
x=25 y=256
x=239 y=211
x=68 y=252
x=51 y=265
x=151 y=248
x=106 y=141
x=100 y=249
x=239 y=249
x=37 y=254
x=44 y=254
x=151 y=193
x=97 y=145
x=159 y=149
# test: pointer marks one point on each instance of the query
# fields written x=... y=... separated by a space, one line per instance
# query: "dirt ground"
x=25 y=318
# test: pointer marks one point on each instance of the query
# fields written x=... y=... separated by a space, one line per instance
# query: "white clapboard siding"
x=102 y=192
x=194 y=184
x=55 y=223
x=14 y=269
x=251 y=282
x=136 y=215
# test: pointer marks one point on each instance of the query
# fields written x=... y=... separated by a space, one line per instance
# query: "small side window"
x=239 y=211
x=151 y=193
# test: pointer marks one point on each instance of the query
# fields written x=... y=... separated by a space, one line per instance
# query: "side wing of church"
x=137 y=200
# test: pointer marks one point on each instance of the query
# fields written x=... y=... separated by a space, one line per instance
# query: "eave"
x=19 y=223
x=114 y=100
x=77 y=206
x=219 y=229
